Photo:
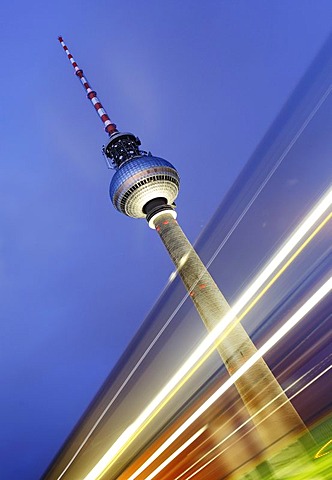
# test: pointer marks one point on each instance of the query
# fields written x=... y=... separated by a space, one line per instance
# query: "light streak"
x=319 y=454
x=280 y=333
x=283 y=330
x=286 y=265
x=166 y=444
x=208 y=344
x=272 y=172
x=176 y=453
x=252 y=428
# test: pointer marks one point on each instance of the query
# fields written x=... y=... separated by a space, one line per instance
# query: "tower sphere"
x=140 y=180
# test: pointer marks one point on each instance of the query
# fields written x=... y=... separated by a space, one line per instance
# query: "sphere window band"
x=140 y=180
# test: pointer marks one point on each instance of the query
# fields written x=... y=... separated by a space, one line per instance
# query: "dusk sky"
x=199 y=83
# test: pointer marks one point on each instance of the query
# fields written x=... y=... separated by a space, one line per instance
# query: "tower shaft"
x=274 y=416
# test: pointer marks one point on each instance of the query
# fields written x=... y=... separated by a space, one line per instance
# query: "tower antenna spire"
x=110 y=127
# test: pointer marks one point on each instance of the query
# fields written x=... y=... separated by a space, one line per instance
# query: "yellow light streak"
x=208 y=345
x=221 y=338
x=286 y=265
x=271 y=282
x=320 y=454
x=252 y=428
x=276 y=337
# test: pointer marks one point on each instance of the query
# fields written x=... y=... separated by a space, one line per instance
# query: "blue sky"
x=199 y=83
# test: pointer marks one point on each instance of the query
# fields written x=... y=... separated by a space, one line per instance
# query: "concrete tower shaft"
x=274 y=416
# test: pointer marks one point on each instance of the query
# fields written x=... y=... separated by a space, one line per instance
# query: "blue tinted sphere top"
x=140 y=180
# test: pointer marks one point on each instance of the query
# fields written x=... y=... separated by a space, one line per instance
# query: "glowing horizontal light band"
x=278 y=335
x=134 y=429
x=252 y=428
x=176 y=453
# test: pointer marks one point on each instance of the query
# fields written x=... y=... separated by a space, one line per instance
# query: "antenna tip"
x=60 y=38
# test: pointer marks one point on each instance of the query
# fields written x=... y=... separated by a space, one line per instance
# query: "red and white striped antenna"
x=110 y=127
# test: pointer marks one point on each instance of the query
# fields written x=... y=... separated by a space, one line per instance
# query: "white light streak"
x=283 y=330
x=252 y=428
x=172 y=276
x=131 y=432
x=174 y=454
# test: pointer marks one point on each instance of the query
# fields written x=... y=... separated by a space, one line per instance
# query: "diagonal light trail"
x=176 y=453
x=319 y=375
x=273 y=340
x=209 y=343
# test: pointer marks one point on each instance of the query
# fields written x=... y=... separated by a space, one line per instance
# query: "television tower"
x=145 y=186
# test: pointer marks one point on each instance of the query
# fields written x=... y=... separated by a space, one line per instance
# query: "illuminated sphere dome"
x=140 y=180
